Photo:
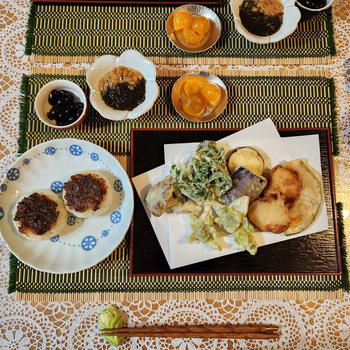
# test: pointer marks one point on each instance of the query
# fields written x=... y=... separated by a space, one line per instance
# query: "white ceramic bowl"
x=291 y=18
x=329 y=4
x=131 y=59
x=42 y=106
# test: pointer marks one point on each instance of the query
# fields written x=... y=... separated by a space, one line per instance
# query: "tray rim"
x=333 y=201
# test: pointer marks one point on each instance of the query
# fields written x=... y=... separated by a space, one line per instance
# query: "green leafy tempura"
x=206 y=172
x=232 y=218
x=203 y=229
x=110 y=318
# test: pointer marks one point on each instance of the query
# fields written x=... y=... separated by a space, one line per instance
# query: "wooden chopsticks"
x=218 y=331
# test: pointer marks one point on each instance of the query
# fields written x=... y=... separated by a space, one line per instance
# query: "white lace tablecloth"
x=313 y=324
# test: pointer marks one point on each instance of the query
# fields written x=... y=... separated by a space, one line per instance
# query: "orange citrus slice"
x=201 y=25
x=182 y=20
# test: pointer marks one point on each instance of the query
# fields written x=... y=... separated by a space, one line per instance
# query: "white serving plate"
x=83 y=242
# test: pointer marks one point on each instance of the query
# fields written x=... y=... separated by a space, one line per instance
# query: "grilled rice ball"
x=39 y=215
x=89 y=193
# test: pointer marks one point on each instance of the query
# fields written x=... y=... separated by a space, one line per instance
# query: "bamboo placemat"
x=80 y=33
x=295 y=101
x=138 y=2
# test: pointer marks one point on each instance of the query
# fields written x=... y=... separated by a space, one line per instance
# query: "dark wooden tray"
x=312 y=254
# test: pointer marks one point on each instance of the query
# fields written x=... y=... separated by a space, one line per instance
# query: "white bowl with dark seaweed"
x=122 y=87
x=264 y=27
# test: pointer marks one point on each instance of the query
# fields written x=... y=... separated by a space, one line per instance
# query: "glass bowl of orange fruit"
x=193 y=28
x=199 y=96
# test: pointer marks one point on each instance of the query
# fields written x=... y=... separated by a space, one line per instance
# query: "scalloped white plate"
x=131 y=59
x=291 y=18
x=83 y=242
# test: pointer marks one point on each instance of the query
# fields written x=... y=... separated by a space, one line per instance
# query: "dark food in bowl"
x=313 y=4
x=65 y=110
x=261 y=17
x=123 y=88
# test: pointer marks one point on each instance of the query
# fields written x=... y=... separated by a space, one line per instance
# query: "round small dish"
x=329 y=4
x=130 y=59
x=291 y=18
x=42 y=106
x=217 y=110
x=196 y=10
x=82 y=243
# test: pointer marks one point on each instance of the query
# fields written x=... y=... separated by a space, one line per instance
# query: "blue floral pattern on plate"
x=70 y=220
x=118 y=186
x=75 y=150
x=57 y=186
x=116 y=217
x=50 y=151
x=13 y=174
x=94 y=157
x=105 y=233
x=88 y=243
x=46 y=166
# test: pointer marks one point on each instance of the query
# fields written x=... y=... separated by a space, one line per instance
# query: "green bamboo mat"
x=80 y=33
x=291 y=101
x=138 y=2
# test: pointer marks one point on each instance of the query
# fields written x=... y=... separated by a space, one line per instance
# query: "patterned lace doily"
x=320 y=325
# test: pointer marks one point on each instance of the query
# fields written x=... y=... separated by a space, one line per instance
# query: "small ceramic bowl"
x=131 y=59
x=42 y=106
x=291 y=18
x=207 y=117
x=196 y=10
x=329 y=4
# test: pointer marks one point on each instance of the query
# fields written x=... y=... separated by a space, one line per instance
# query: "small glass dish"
x=210 y=115
x=195 y=10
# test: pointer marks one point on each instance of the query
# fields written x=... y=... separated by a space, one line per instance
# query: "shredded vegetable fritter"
x=205 y=173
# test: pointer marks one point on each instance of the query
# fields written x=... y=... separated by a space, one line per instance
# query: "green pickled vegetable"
x=206 y=173
x=110 y=318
